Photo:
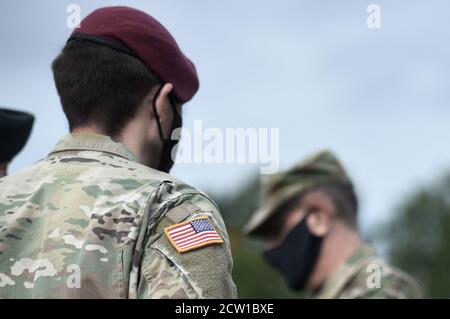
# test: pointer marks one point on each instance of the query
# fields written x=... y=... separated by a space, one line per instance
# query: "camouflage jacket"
x=88 y=221
x=365 y=276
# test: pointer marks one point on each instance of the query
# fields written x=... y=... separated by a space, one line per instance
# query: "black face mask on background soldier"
x=166 y=162
x=296 y=256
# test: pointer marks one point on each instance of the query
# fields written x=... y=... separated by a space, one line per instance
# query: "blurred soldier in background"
x=100 y=217
x=308 y=222
x=15 y=128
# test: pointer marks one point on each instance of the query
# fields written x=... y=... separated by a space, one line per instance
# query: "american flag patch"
x=192 y=234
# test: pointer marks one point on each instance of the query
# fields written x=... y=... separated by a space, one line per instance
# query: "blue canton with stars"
x=200 y=225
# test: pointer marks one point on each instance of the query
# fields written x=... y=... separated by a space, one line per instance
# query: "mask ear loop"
x=161 y=135
x=174 y=109
x=172 y=101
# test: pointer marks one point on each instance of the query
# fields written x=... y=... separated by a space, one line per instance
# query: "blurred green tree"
x=417 y=239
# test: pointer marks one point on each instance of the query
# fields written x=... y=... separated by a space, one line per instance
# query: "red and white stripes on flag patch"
x=192 y=234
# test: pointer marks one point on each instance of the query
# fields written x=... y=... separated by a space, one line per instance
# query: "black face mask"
x=296 y=256
x=166 y=162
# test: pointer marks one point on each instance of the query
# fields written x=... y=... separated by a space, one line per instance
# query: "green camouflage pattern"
x=87 y=222
x=320 y=168
x=365 y=276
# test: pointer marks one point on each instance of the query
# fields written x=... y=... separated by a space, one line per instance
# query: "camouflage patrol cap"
x=15 y=128
x=321 y=168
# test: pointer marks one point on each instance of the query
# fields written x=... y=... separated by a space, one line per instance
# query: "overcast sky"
x=377 y=97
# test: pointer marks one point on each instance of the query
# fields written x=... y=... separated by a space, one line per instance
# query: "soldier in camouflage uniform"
x=98 y=217
x=307 y=221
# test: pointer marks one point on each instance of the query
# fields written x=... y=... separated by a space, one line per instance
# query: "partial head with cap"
x=122 y=74
x=15 y=129
x=318 y=194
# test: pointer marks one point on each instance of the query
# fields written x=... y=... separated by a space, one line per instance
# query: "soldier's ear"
x=319 y=210
x=163 y=104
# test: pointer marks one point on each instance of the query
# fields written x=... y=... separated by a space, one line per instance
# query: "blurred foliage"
x=254 y=277
x=418 y=238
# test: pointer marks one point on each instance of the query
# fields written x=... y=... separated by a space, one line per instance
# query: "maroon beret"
x=136 y=33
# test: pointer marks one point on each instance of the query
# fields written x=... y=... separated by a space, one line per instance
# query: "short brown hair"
x=99 y=85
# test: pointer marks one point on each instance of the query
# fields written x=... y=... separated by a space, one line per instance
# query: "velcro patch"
x=192 y=234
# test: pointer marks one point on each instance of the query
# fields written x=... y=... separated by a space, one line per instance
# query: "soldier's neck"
x=132 y=138
x=336 y=249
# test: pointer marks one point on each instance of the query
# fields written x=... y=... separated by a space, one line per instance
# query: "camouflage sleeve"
x=203 y=272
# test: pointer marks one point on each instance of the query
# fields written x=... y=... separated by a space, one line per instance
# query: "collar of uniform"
x=93 y=142
x=337 y=281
